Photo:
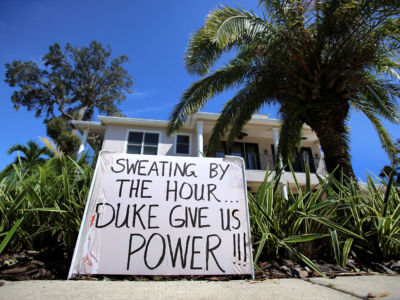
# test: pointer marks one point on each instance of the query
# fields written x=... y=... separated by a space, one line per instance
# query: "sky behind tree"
x=154 y=35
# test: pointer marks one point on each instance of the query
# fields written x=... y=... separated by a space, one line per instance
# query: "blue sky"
x=154 y=35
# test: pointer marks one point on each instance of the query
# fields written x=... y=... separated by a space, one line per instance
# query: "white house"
x=256 y=143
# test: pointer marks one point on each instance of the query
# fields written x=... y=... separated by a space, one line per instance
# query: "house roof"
x=99 y=127
x=95 y=127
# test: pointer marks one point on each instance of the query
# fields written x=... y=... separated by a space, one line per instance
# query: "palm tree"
x=394 y=168
x=32 y=155
x=316 y=60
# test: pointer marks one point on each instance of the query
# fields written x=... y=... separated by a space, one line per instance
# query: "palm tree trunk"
x=328 y=122
x=336 y=152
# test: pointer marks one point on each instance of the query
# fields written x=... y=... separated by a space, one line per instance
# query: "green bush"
x=43 y=207
x=334 y=219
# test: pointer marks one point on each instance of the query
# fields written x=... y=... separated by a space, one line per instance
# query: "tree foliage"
x=316 y=60
x=29 y=156
x=73 y=82
x=59 y=130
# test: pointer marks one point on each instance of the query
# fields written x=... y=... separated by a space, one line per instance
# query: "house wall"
x=115 y=139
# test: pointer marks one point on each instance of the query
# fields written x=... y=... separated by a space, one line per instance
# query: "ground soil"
x=53 y=264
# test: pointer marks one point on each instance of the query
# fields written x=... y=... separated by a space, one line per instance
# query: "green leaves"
x=304 y=237
x=10 y=234
x=228 y=26
x=74 y=81
x=314 y=59
x=202 y=91
x=225 y=28
x=341 y=251
x=50 y=199
x=334 y=218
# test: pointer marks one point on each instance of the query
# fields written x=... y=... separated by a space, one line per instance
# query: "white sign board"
x=165 y=215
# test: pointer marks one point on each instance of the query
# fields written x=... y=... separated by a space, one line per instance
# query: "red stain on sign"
x=91 y=223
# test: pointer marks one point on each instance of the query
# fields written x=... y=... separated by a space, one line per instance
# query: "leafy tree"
x=73 y=84
x=31 y=155
x=60 y=131
x=315 y=59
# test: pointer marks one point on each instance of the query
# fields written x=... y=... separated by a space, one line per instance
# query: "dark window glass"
x=252 y=158
x=142 y=143
x=182 y=144
x=221 y=150
x=133 y=149
x=151 y=139
x=135 y=138
x=302 y=158
x=305 y=156
x=182 y=139
x=248 y=151
x=237 y=150
x=180 y=148
x=150 y=150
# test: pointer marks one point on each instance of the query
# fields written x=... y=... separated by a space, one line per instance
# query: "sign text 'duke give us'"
x=165 y=215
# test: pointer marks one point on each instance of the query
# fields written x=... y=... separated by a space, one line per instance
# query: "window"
x=303 y=157
x=249 y=152
x=142 y=143
x=182 y=144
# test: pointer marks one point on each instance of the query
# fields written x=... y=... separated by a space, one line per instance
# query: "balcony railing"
x=262 y=162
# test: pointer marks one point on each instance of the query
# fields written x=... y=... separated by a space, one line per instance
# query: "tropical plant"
x=316 y=60
x=333 y=221
x=28 y=157
x=300 y=226
x=43 y=207
x=395 y=167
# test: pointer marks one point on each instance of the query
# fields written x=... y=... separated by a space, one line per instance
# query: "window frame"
x=142 y=144
x=176 y=144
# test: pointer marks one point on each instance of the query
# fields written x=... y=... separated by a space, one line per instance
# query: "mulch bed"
x=50 y=264
x=28 y=265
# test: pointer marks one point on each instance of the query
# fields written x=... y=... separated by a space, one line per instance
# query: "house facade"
x=256 y=143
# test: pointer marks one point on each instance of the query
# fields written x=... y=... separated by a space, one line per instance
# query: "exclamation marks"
x=240 y=248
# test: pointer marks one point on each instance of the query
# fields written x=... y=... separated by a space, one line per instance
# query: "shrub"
x=43 y=207
x=334 y=219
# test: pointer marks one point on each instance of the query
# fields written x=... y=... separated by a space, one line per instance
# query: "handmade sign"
x=165 y=215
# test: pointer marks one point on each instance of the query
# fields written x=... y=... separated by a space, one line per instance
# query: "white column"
x=321 y=167
x=199 y=138
x=82 y=146
x=276 y=145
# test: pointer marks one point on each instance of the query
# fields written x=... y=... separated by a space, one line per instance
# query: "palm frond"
x=227 y=26
x=201 y=53
x=224 y=29
x=384 y=136
x=203 y=90
x=290 y=137
x=380 y=95
x=237 y=112
x=322 y=57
